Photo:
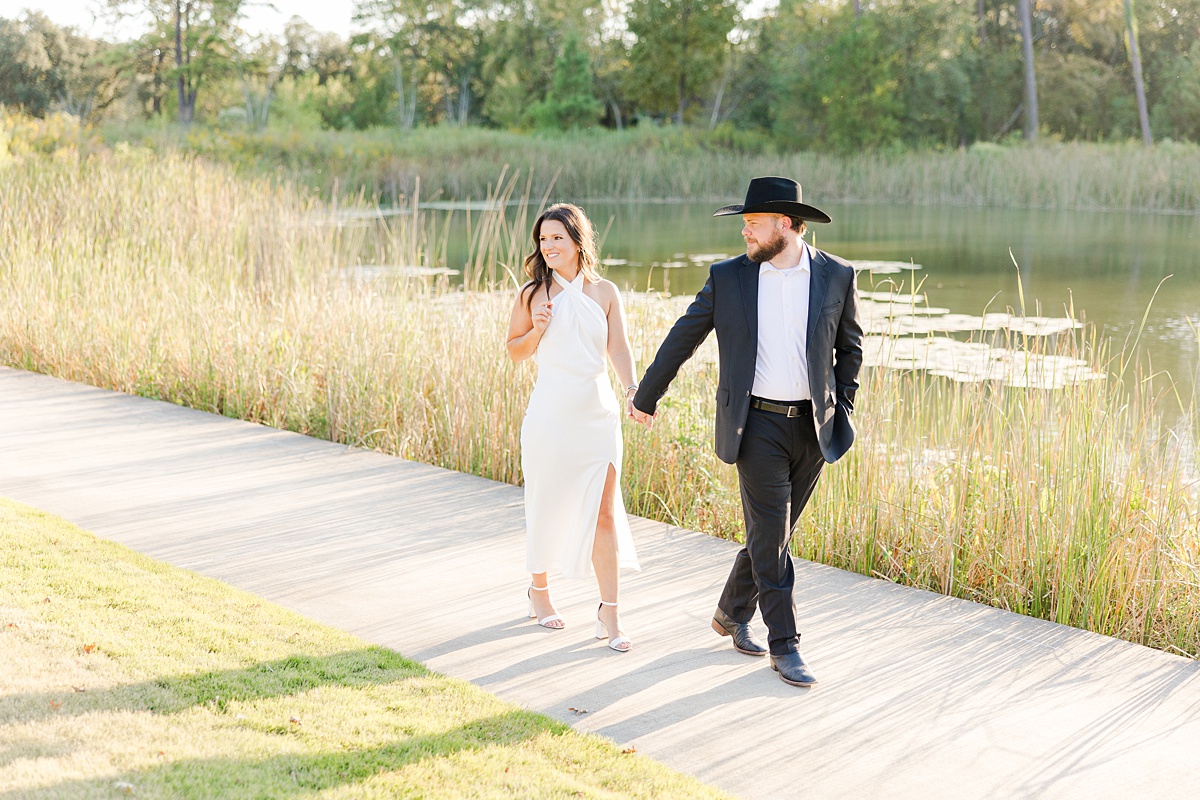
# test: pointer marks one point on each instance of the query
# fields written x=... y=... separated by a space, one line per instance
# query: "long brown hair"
x=580 y=229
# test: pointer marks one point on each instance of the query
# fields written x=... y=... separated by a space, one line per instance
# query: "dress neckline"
x=566 y=284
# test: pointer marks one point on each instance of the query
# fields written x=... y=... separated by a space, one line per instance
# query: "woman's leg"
x=542 y=607
x=604 y=556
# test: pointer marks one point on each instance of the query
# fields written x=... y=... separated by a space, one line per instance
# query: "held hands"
x=541 y=316
x=641 y=417
x=635 y=413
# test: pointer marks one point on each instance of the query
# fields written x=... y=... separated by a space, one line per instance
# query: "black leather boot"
x=743 y=637
x=792 y=669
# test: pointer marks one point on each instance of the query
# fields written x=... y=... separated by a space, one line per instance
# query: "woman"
x=570 y=320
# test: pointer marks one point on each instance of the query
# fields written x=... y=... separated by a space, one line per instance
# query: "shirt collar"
x=804 y=264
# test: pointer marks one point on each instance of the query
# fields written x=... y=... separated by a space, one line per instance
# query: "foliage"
x=570 y=103
x=841 y=75
x=900 y=74
x=521 y=49
x=1080 y=96
x=437 y=55
x=28 y=80
x=44 y=68
x=677 y=52
x=58 y=134
x=938 y=72
x=1177 y=113
x=201 y=37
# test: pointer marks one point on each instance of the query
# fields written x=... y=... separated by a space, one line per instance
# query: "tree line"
x=806 y=74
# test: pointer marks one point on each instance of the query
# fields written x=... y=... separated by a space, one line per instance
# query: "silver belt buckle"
x=793 y=411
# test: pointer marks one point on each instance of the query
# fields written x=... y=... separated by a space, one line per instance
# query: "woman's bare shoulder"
x=605 y=293
x=609 y=290
x=607 y=287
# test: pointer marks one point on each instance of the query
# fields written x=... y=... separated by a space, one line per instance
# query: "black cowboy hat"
x=775 y=196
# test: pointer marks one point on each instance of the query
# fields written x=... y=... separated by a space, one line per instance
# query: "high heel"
x=544 y=620
x=602 y=631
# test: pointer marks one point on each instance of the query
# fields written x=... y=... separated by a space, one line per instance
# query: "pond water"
x=959 y=261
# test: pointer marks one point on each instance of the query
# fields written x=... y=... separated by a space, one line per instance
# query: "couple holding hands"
x=790 y=349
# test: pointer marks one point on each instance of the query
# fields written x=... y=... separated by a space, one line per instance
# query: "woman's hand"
x=541 y=316
x=641 y=417
x=526 y=326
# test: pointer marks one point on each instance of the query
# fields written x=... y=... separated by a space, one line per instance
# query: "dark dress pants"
x=778 y=467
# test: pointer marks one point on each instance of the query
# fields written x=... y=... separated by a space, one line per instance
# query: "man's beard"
x=767 y=250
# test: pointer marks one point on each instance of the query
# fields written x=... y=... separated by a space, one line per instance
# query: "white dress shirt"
x=781 y=372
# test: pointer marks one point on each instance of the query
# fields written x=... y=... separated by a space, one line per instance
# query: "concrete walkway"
x=920 y=695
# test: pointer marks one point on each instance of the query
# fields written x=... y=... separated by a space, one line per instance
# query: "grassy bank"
x=657 y=163
x=174 y=278
x=123 y=676
x=668 y=163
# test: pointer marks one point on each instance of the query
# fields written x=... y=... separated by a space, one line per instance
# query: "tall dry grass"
x=173 y=278
x=657 y=163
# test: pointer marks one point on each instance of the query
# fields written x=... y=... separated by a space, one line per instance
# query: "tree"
x=322 y=79
x=260 y=64
x=678 y=49
x=144 y=60
x=744 y=95
x=202 y=28
x=1077 y=94
x=834 y=78
x=370 y=90
x=606 y=40
x=518 y=51
x=28 y=77
x=201 y=33
x=436 y=47
x=571 y=102
x=1139 y=86
x=934 y=60
x=92 y=74
x=1031 y=98
x=519 y=44
x=44 y=67
x=307 y=51
x=1177 y=113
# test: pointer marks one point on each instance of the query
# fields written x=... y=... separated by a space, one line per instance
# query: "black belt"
x=802 y=408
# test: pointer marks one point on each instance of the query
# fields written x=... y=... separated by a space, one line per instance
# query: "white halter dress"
x=571 y=433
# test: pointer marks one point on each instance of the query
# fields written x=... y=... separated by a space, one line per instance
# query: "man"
x=790 y=348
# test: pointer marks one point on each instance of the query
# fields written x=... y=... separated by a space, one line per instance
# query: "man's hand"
x=639 y=416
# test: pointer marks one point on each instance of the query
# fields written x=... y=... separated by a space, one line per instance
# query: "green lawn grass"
x=122 y=676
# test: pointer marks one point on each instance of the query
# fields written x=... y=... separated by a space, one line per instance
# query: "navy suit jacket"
x=728 y=304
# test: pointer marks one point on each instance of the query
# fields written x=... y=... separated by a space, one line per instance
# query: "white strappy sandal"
x=602 y=631
x=544 y=620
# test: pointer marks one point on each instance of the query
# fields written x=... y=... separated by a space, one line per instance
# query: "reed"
x=174 y=278
x=658 y=163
